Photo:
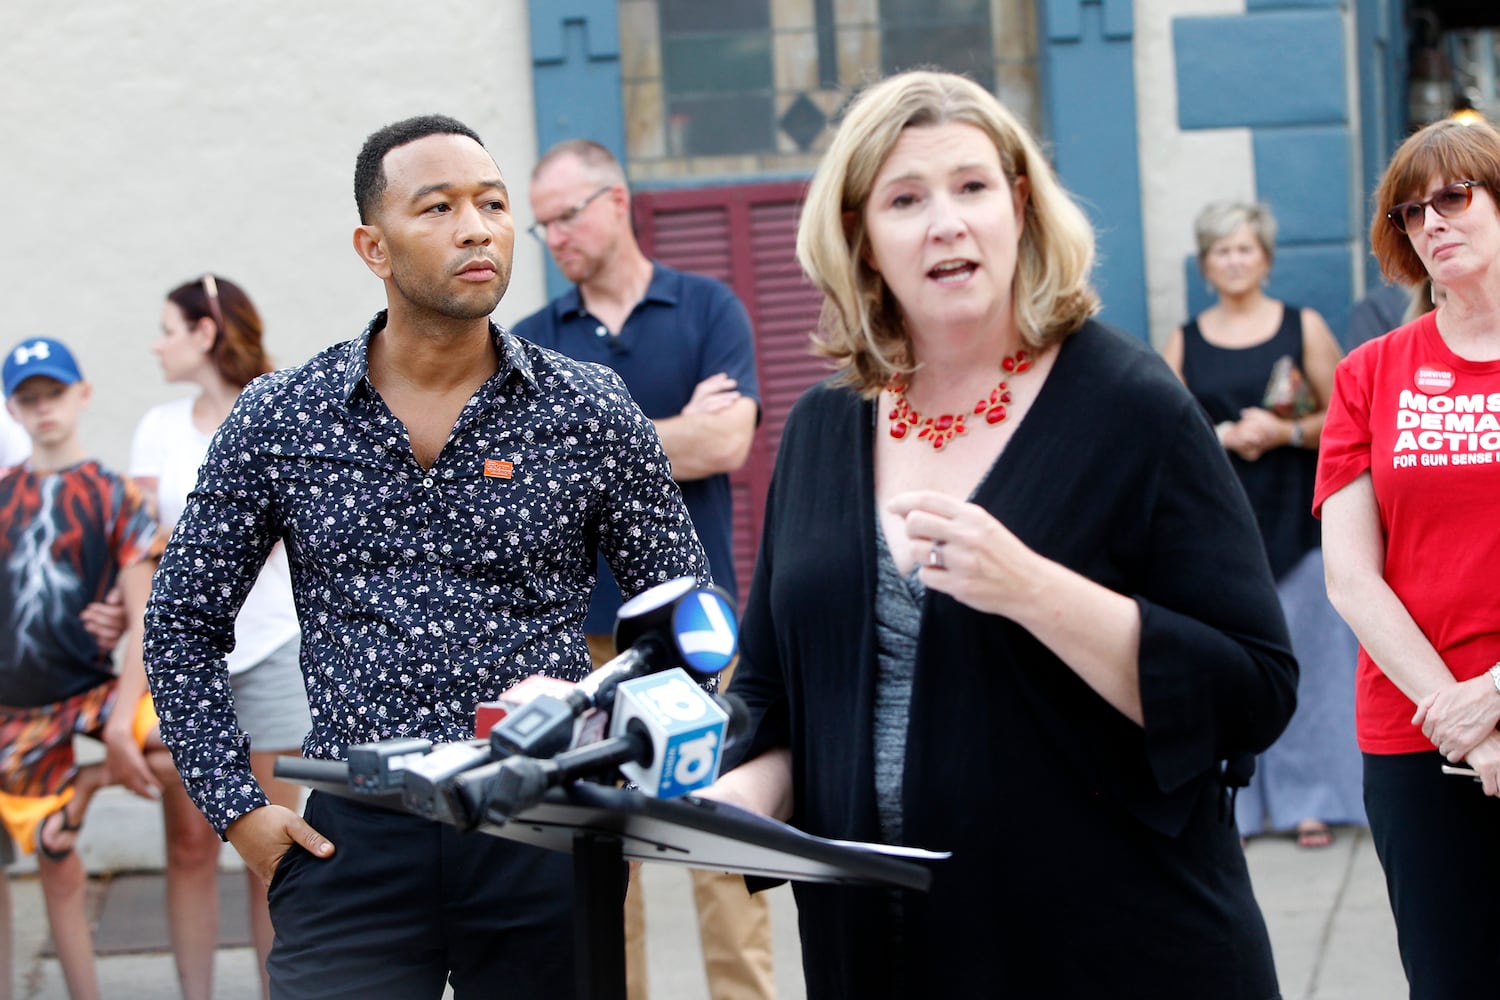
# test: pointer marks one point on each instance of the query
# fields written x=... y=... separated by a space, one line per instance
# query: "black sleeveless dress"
x=1279 y=483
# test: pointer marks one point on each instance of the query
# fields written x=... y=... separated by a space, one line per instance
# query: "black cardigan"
x=1092 y=857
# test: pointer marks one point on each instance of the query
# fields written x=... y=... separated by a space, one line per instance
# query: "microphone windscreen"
x=685 y=727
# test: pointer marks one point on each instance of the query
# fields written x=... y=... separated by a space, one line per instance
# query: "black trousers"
x=404 y=904
x=1438 y=838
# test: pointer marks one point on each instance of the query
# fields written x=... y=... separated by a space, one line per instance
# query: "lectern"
x=601 y=826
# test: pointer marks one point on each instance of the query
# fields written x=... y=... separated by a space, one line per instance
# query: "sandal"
x=68 y=826
x=1314 y=835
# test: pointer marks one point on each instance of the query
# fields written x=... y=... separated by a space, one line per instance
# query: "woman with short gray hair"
x=1263 y=371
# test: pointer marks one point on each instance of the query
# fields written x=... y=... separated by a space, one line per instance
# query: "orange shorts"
x=37 y=765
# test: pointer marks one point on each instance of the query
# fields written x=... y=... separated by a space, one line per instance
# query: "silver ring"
x=935 y=557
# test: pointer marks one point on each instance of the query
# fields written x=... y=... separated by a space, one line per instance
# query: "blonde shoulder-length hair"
x=861 y=328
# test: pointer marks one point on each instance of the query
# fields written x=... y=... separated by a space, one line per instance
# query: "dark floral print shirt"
x=421 y=592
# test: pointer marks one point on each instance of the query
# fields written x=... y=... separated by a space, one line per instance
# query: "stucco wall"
x=1181 y=170
x=1250 y=99
x=145 y=143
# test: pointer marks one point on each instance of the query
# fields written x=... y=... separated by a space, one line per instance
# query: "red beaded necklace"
x=939 y=430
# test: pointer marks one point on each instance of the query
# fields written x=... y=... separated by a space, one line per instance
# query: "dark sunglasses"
x=1452 y=200
x=211 y=290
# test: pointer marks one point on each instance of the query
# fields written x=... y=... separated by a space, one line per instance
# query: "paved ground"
x=1330 y=927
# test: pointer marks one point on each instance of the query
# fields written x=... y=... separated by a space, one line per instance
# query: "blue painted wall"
x=1304 y=174
x=575 y=56
x=1382 y=40
x=1279 y=69
x=1255 y=5
x=1088 y=73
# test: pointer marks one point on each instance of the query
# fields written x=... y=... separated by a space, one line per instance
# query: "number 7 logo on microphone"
x=703 y=625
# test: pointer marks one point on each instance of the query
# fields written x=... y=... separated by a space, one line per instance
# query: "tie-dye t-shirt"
x=63 y=538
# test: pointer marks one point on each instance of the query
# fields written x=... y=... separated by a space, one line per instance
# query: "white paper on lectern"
x=889 y=850
x=894 y=850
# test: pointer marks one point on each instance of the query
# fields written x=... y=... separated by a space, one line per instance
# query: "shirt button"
x=601 y=331
x=427 y=482
x=432 y=557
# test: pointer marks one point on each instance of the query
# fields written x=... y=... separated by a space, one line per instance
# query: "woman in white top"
x=15 y=446
x=211 y=338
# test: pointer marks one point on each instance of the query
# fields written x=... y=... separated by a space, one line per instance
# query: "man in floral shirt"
x=442 y=489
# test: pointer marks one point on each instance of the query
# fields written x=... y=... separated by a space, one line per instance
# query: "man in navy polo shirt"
x=682 y=344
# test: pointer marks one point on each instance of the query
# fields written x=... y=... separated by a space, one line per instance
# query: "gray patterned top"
x=898 y=623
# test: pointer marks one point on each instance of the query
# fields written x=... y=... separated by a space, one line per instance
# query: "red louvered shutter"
x=746 y=237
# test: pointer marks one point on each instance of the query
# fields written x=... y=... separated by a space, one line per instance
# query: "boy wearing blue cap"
x=70 y=529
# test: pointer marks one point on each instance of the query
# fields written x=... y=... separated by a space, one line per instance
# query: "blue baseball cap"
x=40 y=356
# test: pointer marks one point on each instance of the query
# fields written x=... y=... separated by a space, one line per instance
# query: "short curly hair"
x=369 y=167
x=1221 y=218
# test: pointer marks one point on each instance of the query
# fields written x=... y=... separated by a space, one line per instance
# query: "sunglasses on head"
x=211 y=290
x=1448 y=202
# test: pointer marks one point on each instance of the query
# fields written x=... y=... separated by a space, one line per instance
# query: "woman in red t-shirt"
x=1409 y=491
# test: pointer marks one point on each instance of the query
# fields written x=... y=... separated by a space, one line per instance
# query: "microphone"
x=686 y=729
x=423 y=790
x=381 y=767
x=673 y=624
x=487 y=714
x=739 y=718
x=669 y=742
x=517 y=783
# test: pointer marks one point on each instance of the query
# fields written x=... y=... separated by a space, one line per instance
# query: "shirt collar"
x=357 y=363
x=665 y=287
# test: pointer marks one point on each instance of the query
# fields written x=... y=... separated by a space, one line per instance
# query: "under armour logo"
x=36 y=351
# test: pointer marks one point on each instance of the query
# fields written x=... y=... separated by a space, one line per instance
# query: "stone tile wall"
x=804 y=110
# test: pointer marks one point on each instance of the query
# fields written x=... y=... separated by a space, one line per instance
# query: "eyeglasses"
x=1452 y=200
x=567 y=219
x=211 y=291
